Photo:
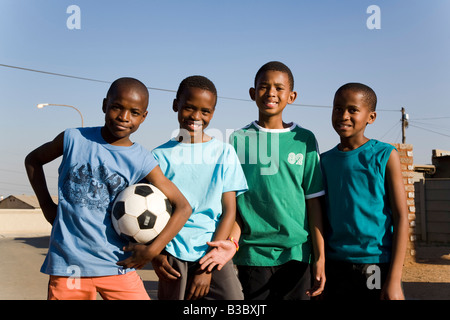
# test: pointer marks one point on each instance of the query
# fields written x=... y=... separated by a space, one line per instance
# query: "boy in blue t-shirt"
x=85 y=254
x=367 y=224
x=208 y=173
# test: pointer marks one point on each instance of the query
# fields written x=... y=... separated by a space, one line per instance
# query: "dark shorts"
x=285 y=282
x=354 y=281
x=224 y=283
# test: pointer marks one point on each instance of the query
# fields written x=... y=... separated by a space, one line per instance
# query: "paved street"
x=22 y=257
x=21 y=260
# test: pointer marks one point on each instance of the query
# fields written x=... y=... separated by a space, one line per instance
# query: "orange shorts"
x=127 y=286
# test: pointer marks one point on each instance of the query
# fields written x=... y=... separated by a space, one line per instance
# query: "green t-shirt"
x=282 y=170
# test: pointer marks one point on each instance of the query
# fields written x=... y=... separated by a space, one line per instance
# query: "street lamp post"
x=42 y=105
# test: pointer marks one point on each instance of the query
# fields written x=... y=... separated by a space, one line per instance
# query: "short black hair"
x=276 y=66
x=197 y=81
x=369 y=95
x=127 y=82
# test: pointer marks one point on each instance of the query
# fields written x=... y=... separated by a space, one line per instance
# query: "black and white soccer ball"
x=140 y=212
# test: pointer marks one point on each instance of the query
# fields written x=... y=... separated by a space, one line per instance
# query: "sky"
x=401 y=49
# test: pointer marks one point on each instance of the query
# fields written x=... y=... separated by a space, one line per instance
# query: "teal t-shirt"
x=282 y=171
x=359 y=216
x=202 y=172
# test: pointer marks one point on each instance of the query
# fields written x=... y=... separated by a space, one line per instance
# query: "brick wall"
x=405 y=152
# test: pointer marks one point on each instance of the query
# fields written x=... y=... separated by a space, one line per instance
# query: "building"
x=441 y=161
x=22 y=215
x=22 y=202
x=432 y=199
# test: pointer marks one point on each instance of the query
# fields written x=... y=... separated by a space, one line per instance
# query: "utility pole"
x=405 y=118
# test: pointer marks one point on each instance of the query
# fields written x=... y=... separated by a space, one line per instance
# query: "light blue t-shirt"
x=359 y=215
x=92 y=173
x=202 y=172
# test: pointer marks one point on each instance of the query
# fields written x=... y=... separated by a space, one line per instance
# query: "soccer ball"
x=140 y=212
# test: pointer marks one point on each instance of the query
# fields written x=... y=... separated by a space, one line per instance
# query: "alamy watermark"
x=74 y=280
x=74 y=20
x=256 y=144
x=374 y=277
x=374 y=20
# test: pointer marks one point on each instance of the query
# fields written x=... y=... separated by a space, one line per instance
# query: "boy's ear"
x=251 y=91
x=175 y=105
x=292 y=97
x=372 y=117
x=104 y=105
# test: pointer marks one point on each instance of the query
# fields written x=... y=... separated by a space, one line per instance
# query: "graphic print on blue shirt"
x=94 y=188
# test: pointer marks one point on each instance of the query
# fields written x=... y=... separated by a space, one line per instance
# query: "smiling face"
x=125 y=109
x=351 y=114
x=272 y=93
x=195 y=108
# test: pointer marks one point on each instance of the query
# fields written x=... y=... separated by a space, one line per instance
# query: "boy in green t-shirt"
x=281 y=214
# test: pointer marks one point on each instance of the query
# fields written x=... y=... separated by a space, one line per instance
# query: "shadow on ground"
x=147 y=273
x=428 y=278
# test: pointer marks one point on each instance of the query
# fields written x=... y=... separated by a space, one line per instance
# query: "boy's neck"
x=194 y=139
x=124 y=142
x=272 y=123
x=351 y=144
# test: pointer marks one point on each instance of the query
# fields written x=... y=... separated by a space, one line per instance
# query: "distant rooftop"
x=22 y=202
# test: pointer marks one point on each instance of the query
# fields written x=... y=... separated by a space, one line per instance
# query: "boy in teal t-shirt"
x=367 y=224
x=209 y=175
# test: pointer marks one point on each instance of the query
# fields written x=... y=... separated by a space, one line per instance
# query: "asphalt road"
x=22 y=257
x=21 y=260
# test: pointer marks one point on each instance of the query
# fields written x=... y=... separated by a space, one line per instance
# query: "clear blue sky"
x=326 y=44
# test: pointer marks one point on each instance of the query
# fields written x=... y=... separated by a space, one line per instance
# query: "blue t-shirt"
x=92 y=173
x=359 y=216
x=202 y=172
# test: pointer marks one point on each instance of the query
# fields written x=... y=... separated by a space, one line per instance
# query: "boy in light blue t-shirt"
x=209 y=175
x=97 y=164
x=367 y=225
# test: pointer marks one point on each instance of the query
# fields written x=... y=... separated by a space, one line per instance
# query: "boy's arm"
x=181 y=208
x=34 y=163
x=237 y=227
x=221 y=250
x=200 y=283
x=315 y=219
x=397 y=199
x=228 y=216
x=181 y=212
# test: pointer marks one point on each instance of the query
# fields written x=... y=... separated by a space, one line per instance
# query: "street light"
x=42 y=105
